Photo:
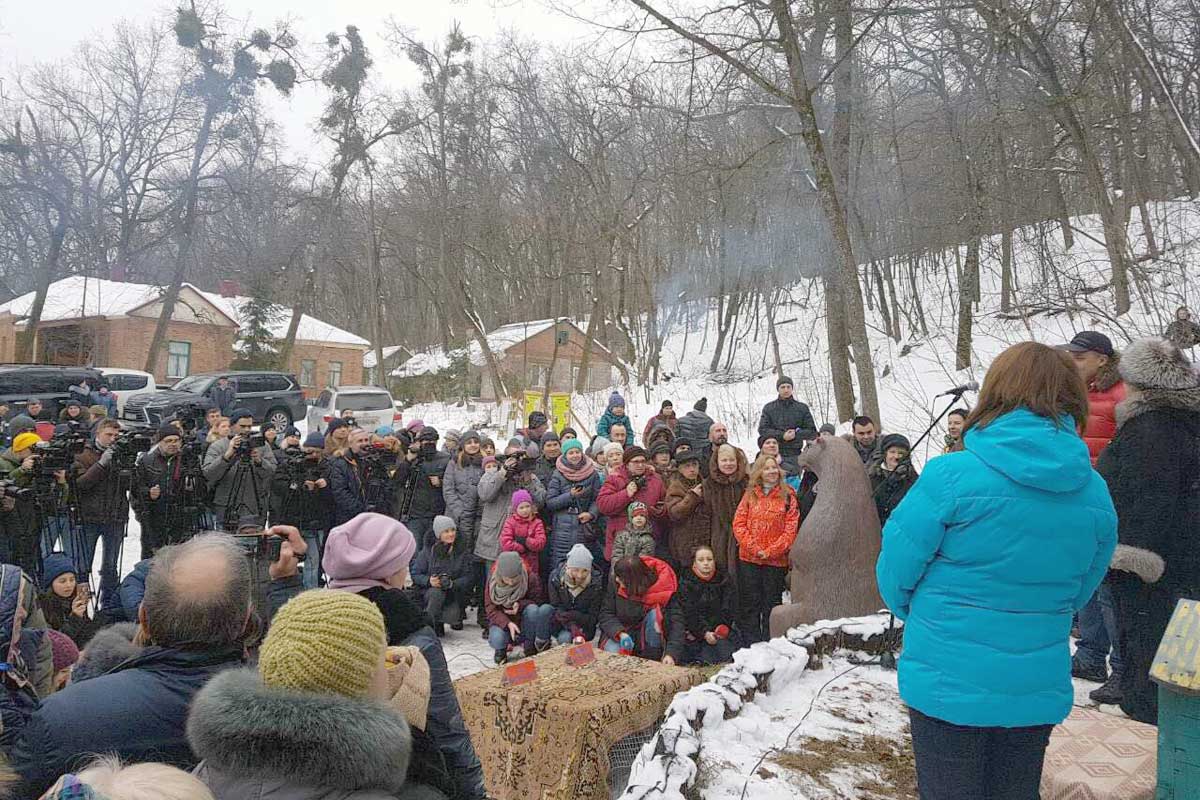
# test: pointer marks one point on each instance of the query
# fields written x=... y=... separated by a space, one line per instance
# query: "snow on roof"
x=435 y=359
x=79 y=297
x=388 y=352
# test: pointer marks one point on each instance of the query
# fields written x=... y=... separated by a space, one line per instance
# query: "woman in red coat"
x=634 y=482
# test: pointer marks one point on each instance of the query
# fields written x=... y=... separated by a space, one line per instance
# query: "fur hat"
x=521 y=496
x=428 y=434
x=579 y=557
x=1154 y=363
x=442 y=523
x=324 y=641
x=633 y=452
x=687 y=456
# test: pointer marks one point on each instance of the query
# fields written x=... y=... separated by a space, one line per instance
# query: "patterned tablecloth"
x=550 y=739
x=1097 y=756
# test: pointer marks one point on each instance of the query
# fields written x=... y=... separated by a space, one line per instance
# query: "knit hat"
x=64 y=650
x=571 y=444
x=665 y=405
x=549 y=436
x=21 y=423
x=468 y=435
x=239 y=413
x=366 y=551
x=701 y=405
x=427 y=434
x=569 y=433
x=486 y=441
x=487 y=461
x=521 y=496
x=765 y=438
x=291 y=430
x=384 y=430
x=73 y=402
x=636 y=508
x=441 y=524
x=508 y=564
x=334 y=424
x=325 y=642
x=599 y=444
x=314 y=439
x=579 y=557
x=165 y=430
x=784 y=380
x=415 y=425
x=53 y=566
x=537 y=419
x=615 y=401
x=613 y=447
x=453 y=433
x=827 y=428
x=894 y=440
x=267 y=426
x=24 y=441
x=633 y=452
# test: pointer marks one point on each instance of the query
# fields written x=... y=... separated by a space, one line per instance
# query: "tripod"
x=237 y=507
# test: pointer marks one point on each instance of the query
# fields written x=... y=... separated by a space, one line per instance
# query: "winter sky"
x=48 y=30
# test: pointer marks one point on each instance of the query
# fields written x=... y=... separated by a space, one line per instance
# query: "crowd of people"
x=1070 y=487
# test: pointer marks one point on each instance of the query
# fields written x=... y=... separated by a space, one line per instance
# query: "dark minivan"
x=50 y=384
x=274 y=397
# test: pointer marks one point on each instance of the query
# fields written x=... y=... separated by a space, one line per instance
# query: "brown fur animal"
x=832 y=562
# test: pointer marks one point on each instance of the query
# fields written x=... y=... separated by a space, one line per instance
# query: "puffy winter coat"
x=1152 y=468
x=460 y=490
x=780 y=416
x=767 y=523
x=620 y=613
x=613 y=502
x=271 y=743
x=1104 y=393
x=709 y=606
x=609 y=419
x=629 y=543
x=526 y=537
x=566 y=529
x=987 y=558
x=137 y=712
x=346 y=488
x=691 y=523
x=27 y=648
x=495 y=496
x=440 y=560
x=576 y=613
x=693 y=427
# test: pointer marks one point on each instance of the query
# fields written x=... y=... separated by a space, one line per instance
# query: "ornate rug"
x=550 y=738
x=1097 y=756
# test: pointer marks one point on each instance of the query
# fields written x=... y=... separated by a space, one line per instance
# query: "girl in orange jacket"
x=765 y=526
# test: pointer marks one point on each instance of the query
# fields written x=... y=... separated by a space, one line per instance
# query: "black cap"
x=167 y=429
x=428 y=434
x=1089 y=341
x=666 y=404
x=765 y=438
x=537 y=419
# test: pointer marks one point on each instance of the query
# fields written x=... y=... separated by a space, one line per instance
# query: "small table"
x=550 y=738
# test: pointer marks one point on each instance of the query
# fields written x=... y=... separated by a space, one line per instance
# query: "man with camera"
x=238 y=469
x=302 y=498
x=102 y=492
x=20 y=519
x=419 y=486
x=167 y=492
x=346 y=478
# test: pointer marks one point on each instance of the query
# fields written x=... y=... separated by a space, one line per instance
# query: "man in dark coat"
x=223 y=395
x=419 y=486
x=103 y=507
x=693 y=426
x=138 y=711
x=1152 y=467
x=788 y=420
x=345 y=479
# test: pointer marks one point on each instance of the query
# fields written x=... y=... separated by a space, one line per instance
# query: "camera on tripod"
x=249 y=443
x=10 y=490
x=300 y=468
x=59 y=453
x=128 y=446
x=379 y=455
x=190 y=415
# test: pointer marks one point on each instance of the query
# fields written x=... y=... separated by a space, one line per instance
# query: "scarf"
x=574 y=588
x=506 y=596
x=465 y=459
x=576 y=474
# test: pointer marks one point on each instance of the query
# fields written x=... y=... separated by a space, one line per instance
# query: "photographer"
x=167 y=493
x=238 y=469
x=496 y=489
x=302 y=498
x=20 y=519
x=102 y=494
x=346 y=478
x=419 y=486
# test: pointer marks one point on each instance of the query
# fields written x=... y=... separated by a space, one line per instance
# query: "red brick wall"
x=124 y=341
x=322 y=354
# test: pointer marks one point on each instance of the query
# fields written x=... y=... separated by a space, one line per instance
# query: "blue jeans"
x=112 y=535
x=1098 y=631
x=312 y=559
x=647 y=639
x=535 y=627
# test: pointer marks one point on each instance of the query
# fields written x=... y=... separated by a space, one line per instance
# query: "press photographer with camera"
x=103 y=473
x=301 y=497
x=238 y=469
x=168 y=490
x=419 y=486
x=20 y=519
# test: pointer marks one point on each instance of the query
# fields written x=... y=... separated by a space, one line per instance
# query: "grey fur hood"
x=297 y=745
x=1160 y=376
x=108 y=649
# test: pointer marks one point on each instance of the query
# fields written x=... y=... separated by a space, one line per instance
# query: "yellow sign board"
x=559 y=411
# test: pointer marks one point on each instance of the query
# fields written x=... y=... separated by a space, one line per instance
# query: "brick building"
x=524 y=352
x=110 y=324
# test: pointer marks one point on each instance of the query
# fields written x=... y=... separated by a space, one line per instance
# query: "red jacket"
x=524 y=536
x=1102 y=414
x=613 y=500
x=767 y=524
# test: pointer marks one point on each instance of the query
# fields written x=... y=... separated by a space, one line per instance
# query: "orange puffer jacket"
x=766 y=524
x=1104 y=393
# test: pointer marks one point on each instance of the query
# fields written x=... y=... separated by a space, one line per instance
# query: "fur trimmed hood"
x=108 y=649
x=246 y=731
x=1159 y=376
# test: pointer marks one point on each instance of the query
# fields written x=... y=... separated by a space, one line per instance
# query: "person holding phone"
x=65 y=600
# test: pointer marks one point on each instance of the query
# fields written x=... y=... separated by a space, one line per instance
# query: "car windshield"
x=364 y=401
x=194 y=384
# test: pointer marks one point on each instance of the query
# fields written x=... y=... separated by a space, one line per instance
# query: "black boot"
x=1110 y=693
x=530 y=649
x=1097 y=674
x=501 y=656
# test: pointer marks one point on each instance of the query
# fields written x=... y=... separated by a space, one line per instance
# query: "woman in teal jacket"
x=986 y=559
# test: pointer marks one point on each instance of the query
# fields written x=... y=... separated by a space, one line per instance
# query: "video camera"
x=59 y=453
x=300 y=468
x=9 y=489
x=190 y=415
x=128 y=446
x=249 y=443
x=378 y=455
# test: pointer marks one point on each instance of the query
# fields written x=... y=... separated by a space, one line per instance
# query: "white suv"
x=370 y=406
x=127 y=383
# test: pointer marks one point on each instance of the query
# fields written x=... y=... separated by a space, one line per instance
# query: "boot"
x=1097 y=674
x=543 y=645
x=501 y=656
x=531 y=649
x=1110 y=693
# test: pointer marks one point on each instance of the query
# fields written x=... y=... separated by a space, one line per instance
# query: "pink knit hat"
x=366 y=551
x=521 y=496
x=63 y=648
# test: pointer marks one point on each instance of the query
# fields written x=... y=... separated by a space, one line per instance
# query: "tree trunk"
x=839 y=346
x=26 y=340
x=968 y=283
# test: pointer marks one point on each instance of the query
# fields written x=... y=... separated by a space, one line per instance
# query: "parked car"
x=127 y=383
x=273 y=397
x=370 y=405
x=49 y=383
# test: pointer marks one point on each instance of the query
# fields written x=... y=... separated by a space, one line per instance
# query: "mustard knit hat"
x=324 y=641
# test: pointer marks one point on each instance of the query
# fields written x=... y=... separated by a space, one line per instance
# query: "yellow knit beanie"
x=324 y=641
x=25 y=441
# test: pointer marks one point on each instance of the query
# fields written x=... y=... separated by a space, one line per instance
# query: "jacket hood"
x=245 y=729
x=1157 y=364
x=662 y=590
x=1033 y=451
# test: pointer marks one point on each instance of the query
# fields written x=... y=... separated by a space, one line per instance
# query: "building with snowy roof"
x=524 y=352
x=110 y=324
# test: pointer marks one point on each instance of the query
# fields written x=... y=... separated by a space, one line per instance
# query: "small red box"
x=521 y=672
x=581 y=654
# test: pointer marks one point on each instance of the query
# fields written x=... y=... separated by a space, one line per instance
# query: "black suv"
x=50 y=384
x=273 y=397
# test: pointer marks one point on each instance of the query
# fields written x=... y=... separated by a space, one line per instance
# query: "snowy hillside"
x=1056 y=286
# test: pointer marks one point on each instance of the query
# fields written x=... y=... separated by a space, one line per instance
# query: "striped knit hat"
x=324 y=641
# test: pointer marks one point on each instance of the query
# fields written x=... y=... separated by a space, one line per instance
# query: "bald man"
x=194 y=616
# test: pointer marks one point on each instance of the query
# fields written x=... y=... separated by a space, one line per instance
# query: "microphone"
x=958 y=391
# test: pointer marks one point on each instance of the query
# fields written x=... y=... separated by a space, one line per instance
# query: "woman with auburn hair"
x=765 y=526
x=986 y=559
